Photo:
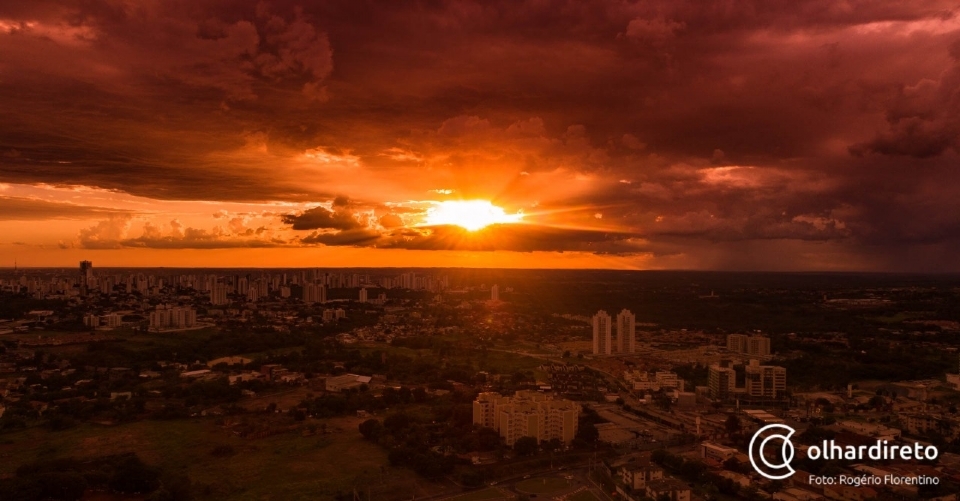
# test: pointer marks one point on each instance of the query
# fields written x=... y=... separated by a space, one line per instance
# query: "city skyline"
x=801 y=136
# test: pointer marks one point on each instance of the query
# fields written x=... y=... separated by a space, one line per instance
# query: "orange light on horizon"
x=471 y=215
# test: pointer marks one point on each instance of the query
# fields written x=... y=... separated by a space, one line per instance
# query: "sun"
x=471 y=215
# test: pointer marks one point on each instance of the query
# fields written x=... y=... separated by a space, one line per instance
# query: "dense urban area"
x=393 y=384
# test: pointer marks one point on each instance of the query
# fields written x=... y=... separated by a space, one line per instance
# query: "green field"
x=543 y=485
x=287 y=465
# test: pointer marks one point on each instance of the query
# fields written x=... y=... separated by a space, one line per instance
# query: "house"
x=716 y=452
x=345 y=382
x=669 y=488
x=637 y=477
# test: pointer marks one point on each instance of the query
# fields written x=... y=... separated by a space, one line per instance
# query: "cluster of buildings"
x=110 y=321
x=742 y=376
x=751 y=345
x=639 y=480
x=173 y=317
x=527 y=414
x=220 y=288
x=761 y=382
x=625 y=341
x=643 y=381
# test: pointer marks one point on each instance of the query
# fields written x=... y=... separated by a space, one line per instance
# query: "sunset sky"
x=700 y=134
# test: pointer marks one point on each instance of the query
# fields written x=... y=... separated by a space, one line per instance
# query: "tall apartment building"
x=218 y=294
x=737 y=343
x=86 y=277
x=755 y=346
x=484 y=409
x=172 y=317
x=760 y=381
x=722 y=381
x=626 y=332
x=495 y=293
x=112 y=320
x=91 y=321
x=363 y=295
x=765 y=381
x=313 y=293
x=758 y=346
x=602 y=334
x=527 y=414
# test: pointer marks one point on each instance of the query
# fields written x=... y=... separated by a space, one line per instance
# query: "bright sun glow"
x=469 y=214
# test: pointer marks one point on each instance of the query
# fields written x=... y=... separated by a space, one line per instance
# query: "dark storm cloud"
x=30 y=209
x=687 y=123
x=514 y=237
x=505 y=237
x=321 y=218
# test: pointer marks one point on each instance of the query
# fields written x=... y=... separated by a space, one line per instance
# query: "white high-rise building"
x=602 y=342
x=626 y=332
x=495 y=293
x=363 y=295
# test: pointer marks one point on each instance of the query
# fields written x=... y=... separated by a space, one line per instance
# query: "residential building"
x=484 y=409
x=172 y=317
x=112 y=320
x=602 y=342
x=754 y=346
x=722 y=381
x=668 y=488
x=626 y=332
x=91 y=321
x=765 y=381
x=637 y=477
x=218 y=294
x=314 y=293
x=528 y=414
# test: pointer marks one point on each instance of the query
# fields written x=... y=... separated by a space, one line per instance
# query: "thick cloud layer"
x=816 y=130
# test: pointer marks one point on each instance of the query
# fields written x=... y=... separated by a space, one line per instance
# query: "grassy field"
x=542 y=485
x=283 y=466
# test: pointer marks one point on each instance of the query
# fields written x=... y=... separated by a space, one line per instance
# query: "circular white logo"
x=766 y=468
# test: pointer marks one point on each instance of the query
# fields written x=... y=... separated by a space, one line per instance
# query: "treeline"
x=69 y=479
x=695 y=472
x=413 y=436
x=427 y=438
x=835 y=369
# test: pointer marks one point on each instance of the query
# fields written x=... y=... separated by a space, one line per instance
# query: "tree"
x=133 y=476
x=732 y=424
x=67 y=486
x=371 y=429
x=525 y=446
x=588 y=433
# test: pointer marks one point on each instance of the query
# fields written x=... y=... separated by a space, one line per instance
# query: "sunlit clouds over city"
x=808 y=135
